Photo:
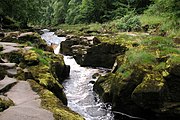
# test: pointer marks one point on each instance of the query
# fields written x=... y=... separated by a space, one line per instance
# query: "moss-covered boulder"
x=34 y=38
x=90 y=51
x=151 y=92
x=146 y=81
x=52 y=103
x=103 y=86
x=42 y=74
x=173 y=64
x=58 y=67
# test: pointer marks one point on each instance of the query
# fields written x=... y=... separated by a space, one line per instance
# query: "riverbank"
x=30 y=69
x=144 y=79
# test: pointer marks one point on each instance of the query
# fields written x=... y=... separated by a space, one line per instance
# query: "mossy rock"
x=103 y=86
x=151 y=92
x=31 y=58
x=45 y=78
x=34 y=39
x=5 y=103
x=50 y=102
x=58 y=67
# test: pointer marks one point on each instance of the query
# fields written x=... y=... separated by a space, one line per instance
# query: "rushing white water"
x=78 y=87
x=80 y=95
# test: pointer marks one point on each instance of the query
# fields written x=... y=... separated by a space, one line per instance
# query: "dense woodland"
x=84 y=11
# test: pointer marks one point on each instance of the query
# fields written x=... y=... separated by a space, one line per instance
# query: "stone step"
x=7 y=83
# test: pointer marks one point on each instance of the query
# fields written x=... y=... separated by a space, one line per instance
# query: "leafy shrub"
x=129 y=22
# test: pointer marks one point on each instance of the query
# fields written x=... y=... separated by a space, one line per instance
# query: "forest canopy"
x=54 y=12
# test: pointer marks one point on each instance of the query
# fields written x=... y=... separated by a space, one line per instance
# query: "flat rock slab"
x=27 y=104
x=8 y=65
x=6 y=83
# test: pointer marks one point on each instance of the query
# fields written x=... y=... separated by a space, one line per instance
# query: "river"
x=79 y=88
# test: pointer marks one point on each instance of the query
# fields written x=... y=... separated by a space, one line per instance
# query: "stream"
x=79 y=88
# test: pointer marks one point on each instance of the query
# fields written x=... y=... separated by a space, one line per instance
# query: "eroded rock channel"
x=79 y=86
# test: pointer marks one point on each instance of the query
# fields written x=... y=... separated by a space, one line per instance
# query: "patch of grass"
x=137 y=57
x=158 y=41
x=151 y=20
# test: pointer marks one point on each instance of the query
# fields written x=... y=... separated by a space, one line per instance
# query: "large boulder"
x=101 y=55
x=58 y=67
x=46 y=79
x=151 y=92
x=89 y=51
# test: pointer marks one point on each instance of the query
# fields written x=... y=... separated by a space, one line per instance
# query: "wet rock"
x=67 y=44
x=89 y=51
x=92 y=82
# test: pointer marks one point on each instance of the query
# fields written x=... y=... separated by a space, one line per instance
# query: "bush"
x=128 y=23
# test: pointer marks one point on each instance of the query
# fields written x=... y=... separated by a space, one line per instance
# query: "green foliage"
x=136 y=57
x=166 y=12
x=129 y=22
x=42 y=56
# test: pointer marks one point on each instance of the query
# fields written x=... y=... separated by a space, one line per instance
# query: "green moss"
x=31 y=57
x=50 y=102
x=152 y=82
x=43 y=76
